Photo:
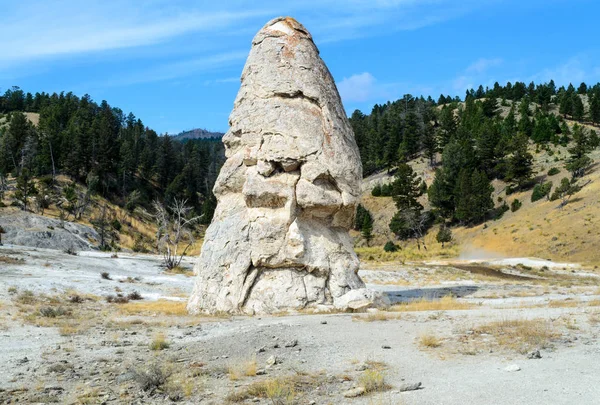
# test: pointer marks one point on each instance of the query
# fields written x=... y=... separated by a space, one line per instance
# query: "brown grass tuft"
x=429 y=340
x=244 y=369
x=446 y=303
x=165 y=307
x=520 y=335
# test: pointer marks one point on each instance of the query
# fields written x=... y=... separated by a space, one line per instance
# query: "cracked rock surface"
x=288 y=190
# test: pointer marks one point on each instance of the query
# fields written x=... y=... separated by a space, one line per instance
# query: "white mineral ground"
x=100 y=357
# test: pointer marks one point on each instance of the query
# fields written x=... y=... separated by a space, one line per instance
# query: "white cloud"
x=82 y=27
x=179 y=69
x=482 y=65
x=575 y=70
x=474 y=74
x=357 y=88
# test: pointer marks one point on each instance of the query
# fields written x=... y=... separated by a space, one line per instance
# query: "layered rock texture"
x=288 y=190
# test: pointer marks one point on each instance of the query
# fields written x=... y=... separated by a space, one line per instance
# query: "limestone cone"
x=288 y=190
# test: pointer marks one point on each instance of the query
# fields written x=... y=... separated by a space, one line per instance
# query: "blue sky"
x=176 y=64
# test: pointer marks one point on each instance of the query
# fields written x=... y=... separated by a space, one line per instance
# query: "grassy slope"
x=538 y=229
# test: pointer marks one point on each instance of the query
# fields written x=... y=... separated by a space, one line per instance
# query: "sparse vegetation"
x=117 y=299
x=515 y=205
x=246 y=368
x=446 y=303
x=429 y=340
x=279 y=391
x=554 y=171
x=175 y=308
x=134 y=296
x=11 y=260
x=159 y=342
x=372 y=381
x=520 y=335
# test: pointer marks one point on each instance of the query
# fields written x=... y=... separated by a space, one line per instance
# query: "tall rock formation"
x=288 y=190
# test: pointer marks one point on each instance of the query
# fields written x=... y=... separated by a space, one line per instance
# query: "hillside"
x=538 y=229
x=198 y=133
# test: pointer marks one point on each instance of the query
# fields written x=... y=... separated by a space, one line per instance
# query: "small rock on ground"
x=410 y=387
x=354 y=392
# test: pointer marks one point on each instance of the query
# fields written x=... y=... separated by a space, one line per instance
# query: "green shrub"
x=376 y=192
x=116 y=224
x=390 y=246
x=540 y=191
x=515 y=205
x=553 y=171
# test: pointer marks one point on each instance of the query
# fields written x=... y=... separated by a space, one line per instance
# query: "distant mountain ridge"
x=197 y=133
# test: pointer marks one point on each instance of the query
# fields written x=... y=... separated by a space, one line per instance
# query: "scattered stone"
x=512 y=368
x=354 y=392
x=361 y=367
x=262 y=350
x=287 y=193
x=271 y=361
x=128 y=376
x=291 y=343
x=534 y=355
x=410 y=387
x=261 y=371
x=386 y=347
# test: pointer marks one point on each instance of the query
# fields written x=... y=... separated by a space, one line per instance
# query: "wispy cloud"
x=575 y=70
x=74 y=27
x=180 y=69
x=43 y=29
x=482 y=65
x=475 y=74
x=364 y=87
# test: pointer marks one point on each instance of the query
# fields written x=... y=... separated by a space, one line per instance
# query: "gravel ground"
x=98 y=352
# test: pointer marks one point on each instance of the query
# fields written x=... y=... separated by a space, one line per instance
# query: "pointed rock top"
x=282 y=27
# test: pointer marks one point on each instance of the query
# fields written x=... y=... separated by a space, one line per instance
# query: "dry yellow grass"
x=429 y=340
x=246 y=368
x=568 y=303
x=181 y=270
x=280 y=391
x=159 y=342
x=446 y=303
x=372 y=381
x=408 y=252
x=164 y=307
x=520 y=335
x=375 y=317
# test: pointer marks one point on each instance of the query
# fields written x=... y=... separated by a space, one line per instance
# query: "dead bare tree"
x=174 y=231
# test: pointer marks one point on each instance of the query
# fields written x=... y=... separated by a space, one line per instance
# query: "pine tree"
x=463 y=195
x=25 y=188
x=444 y=235
x=519 y=163
x=448 y=125
x=406 y=189
x=482 y=196
x=579 y=161
x=566 y=104
x=361 y=214
x=595 y=107
x=430 y=145
x=578 y=109
x=367 y=229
